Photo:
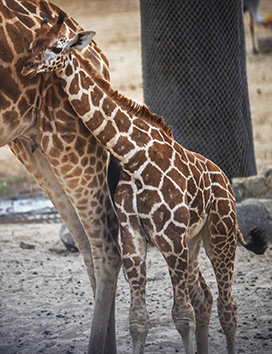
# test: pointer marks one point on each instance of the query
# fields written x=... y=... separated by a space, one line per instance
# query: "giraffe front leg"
x=102 y=337
x=251 y=25
x=133 y=249
x=107 y=264
x=138 y=317
x=183 y=315
x=38 y=166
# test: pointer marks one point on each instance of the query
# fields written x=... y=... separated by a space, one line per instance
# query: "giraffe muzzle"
x=28 y=69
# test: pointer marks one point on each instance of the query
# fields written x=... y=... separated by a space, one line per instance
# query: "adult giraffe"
x=171 y=197
x=70 y=152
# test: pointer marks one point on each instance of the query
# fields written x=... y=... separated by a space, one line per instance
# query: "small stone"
x=26 y=246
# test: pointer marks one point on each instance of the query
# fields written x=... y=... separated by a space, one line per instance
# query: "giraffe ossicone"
x=168 y=196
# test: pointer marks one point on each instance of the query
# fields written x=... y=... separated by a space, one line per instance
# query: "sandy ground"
x=46 y=302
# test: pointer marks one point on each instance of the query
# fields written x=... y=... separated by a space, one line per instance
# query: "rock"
x=267 y=173
x=255 y=186
x=254 y=202
x=264 y=44
x=67 y=239
x=26 y=246
x=252 y=213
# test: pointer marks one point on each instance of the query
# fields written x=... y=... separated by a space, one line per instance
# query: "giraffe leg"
x=200 y=295
x=102 y=337
x=133 y=247
x=133 y=250
x=110 y=345
x=107 y=263
x=220 y=248
x=251 y=25
x=182 y=310
x=37 y=164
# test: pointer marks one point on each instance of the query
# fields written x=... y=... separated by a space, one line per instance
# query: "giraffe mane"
x=140 y=111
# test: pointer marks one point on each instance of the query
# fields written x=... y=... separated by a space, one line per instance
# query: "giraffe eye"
x=56 y=50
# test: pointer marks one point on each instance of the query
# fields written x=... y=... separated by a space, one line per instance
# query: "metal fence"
x=194 y=74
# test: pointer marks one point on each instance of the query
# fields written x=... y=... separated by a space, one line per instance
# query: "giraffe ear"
x=80 y=40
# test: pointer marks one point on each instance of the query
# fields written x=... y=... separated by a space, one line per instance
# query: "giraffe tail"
x=257 y=242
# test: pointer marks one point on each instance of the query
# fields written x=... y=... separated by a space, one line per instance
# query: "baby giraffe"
x=168 y=196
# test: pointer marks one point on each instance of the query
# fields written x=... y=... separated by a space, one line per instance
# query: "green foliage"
x=7 y=184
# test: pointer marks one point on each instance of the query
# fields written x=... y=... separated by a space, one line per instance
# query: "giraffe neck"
x=126 y=129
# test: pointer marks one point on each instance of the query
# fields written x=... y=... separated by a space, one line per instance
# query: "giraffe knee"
x=184 y=320
x=138 y=319
x=138 y=332
x=186 y=327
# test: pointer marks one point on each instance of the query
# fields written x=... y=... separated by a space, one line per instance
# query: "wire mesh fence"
x=194 y=73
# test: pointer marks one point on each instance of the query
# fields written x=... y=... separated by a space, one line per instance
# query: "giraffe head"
x=49 y=51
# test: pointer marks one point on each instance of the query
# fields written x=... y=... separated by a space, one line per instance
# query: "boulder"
x=254 y=202
x=259 y=187
x=264 y=44
x=255 y=213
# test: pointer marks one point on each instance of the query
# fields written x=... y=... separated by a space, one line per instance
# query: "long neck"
x=125 y=128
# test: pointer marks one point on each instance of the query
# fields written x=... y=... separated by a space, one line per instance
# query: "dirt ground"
x=46 y=302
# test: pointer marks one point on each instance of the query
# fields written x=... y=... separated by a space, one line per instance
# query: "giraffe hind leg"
x=200 y=295
x=182 y=310
x=220 y=248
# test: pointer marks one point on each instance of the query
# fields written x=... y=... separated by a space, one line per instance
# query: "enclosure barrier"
x=194 y=74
